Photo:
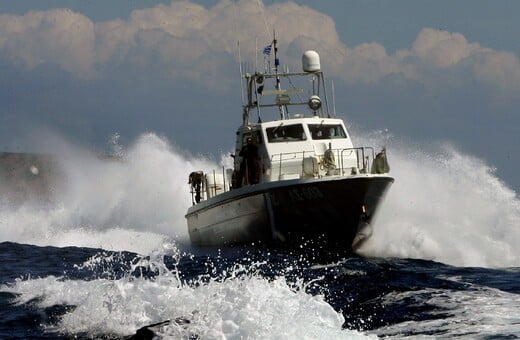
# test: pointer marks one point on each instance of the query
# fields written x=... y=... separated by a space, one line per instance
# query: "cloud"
x=186 y=41
x=433 y=60
x=442 y=49
x=176 y=37
x=501 y=69
x=59 y=36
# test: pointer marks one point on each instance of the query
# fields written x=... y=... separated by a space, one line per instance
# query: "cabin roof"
x=292 y=121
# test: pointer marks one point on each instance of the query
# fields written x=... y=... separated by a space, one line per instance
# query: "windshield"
x=322 y=131
x=285 y=133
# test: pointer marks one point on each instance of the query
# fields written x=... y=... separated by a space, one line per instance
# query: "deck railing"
x=343 y=160
x=290 y=163
x=364 y=161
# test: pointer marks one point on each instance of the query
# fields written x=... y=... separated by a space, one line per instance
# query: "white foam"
x=134 y=203
x=473 y=313
x=445 y=206
x=247 y=307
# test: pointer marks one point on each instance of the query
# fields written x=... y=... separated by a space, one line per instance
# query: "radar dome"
x=311 y=61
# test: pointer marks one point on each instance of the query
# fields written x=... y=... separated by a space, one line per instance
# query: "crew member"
x=249 y=164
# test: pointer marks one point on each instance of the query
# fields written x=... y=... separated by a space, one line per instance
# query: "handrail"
x=364 y=158
x=366 y=161
x=363 y=161
x=294 y=156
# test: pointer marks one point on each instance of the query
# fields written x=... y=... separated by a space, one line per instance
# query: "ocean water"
x=106 y=253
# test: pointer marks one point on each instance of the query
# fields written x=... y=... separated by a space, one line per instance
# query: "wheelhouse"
x=302 y=147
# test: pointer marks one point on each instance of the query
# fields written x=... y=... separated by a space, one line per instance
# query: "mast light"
x=314 y=103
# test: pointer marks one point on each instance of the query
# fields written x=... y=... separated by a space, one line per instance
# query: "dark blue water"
x=377 y=297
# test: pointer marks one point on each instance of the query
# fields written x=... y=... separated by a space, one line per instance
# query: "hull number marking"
x=306 y=193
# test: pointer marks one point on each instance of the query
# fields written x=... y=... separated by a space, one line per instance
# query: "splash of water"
x=481 y=313
x=134 y=202
x=236 y=306
x=445 y=206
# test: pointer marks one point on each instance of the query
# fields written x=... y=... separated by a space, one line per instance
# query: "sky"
x=425 y=72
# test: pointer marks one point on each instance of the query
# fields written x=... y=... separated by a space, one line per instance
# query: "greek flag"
x=267 y=49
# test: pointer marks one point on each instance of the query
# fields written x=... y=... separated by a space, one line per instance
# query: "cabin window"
x=285 y=133
x=322 y=131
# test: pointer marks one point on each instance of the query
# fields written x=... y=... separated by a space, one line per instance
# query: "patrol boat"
x=297 y=178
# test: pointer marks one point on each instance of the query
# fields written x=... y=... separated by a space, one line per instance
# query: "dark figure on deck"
x=249 y=165
x=195 y=180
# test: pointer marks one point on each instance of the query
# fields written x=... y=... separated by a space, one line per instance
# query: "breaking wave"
x=445 y=205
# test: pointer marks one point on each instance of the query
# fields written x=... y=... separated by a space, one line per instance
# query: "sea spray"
x=146 y=189
x=115 y=203
x=124 y=293
x=445 y=206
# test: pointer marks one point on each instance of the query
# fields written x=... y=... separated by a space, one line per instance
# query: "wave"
x=445 y=205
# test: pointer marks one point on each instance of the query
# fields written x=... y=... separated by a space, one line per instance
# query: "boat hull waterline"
x=336 y=211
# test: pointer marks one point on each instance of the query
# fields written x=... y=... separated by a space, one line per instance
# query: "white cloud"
x=433 y=60
x=57 y=36
x=368 y=63
x=186 y=40
x=442 y=49
x=501 y=69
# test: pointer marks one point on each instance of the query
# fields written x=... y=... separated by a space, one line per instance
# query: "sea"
x=101 y=251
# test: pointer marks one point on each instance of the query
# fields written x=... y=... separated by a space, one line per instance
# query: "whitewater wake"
x=444 y=205
x=240 y=307
x=133 y=202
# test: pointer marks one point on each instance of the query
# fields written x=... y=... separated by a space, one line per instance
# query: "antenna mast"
x=241 y=72
x=276 y=64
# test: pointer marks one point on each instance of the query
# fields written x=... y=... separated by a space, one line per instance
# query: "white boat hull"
x=231 y=222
